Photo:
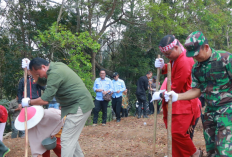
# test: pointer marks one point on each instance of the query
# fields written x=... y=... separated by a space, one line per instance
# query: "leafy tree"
x=73 y=47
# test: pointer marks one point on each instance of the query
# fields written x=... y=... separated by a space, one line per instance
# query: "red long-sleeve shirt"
x=181 y=82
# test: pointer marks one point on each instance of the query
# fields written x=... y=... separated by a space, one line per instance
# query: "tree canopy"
x=115 y=35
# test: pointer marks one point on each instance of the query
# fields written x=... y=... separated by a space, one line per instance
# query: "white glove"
x=159 y=63
x=25 y=63
x=25 y=102
x=156 y=96
x=173 y=94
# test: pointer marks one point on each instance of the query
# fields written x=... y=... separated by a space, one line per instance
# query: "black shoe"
x=145 y=116
x=118 y=120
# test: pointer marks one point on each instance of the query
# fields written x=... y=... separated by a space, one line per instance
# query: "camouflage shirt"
x=124 y=101
x=14 y=105
x=213 y=78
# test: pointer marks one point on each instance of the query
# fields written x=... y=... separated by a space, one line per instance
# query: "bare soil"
x=128 y=138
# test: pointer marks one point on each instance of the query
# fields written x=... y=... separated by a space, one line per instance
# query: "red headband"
x=168 y=47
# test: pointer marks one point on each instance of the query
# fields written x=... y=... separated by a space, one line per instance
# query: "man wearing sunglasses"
x=211 y=76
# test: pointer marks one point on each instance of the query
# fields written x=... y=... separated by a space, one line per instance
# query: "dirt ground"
x=129 y=138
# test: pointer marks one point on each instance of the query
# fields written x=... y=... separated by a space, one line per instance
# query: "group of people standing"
x=75 y=101
x=209 y=77
x=115 y=89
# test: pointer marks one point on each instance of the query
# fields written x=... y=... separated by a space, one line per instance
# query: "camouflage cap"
x=193 y=43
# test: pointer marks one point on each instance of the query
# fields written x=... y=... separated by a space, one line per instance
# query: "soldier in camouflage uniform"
x=211 y=76
x=14 y=110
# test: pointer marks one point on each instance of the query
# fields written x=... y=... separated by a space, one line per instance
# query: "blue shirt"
x=105 y=84
x=118 y=85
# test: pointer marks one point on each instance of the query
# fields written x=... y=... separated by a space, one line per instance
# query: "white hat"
x=34 y=116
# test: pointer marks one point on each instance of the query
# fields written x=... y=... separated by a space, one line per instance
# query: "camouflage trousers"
x=217 y=125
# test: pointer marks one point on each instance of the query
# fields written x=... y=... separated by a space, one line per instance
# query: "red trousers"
x=182 y=145
x=57 y=150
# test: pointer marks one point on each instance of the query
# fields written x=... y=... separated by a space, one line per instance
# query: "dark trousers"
x=100 y=105
x=192 y=133
x=202 y=99
x=16 y=132
x=117 y=104
x=151 y=106
x=124 y=112
x=142 y=102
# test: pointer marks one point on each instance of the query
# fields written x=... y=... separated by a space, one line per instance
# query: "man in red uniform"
x=183 y=112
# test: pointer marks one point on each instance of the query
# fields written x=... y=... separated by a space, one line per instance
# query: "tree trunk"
x=78 y=17
x=1 y=80
x=24 y=53
x=227 y=37
x=60 y=13
x=93 y=55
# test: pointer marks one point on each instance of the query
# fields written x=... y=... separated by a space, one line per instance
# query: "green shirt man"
x=70 y=91
x=68 y=88
x=211 y=76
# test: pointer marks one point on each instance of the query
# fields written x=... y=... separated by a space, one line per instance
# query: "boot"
x=126 y=112
x=123 y=112
x=136 y=111
x=145 y=114
x=3 y=149
x=139 y=112
x=139 y=115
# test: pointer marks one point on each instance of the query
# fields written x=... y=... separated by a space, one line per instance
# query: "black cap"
x=115 y=74
x=154 y=77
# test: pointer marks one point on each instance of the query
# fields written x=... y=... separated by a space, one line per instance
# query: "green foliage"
x=58 y=38
x=5 y=103
x=10 y=69
x=129 y=45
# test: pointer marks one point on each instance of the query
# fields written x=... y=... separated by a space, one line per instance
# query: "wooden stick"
x=155 y=109
x=169 y=113
x=25 y=109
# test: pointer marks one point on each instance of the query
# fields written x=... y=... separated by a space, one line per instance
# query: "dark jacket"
x=142 y=86
x=33 y=89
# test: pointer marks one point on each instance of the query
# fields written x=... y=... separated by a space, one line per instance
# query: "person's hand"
x=25 y=102
x=190 y=129
x=25 y=63
x=20 y=106
x=18 y=109
x=156 y=96
x=104 y=92
x=159 y=63
x=52 y=136
x=173 y=94
x=99 y=90
x=118 y=91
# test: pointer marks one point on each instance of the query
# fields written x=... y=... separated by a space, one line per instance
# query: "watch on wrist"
x=161 y=95
x=29 y=102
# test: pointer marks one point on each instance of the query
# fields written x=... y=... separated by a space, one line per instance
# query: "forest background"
x=115 y=35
